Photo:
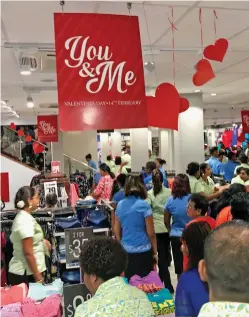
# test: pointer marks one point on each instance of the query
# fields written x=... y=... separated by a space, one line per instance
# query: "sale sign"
x=245 y=121
x=99 y=72
x=47 y=127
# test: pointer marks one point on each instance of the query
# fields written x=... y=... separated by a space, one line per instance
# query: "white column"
x=189 y=140
x=149 y=140
x=116 y=143
x=104 y=145
x=139 y=148
x=166 y=147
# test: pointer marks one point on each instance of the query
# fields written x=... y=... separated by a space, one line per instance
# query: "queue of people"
x=206 y=227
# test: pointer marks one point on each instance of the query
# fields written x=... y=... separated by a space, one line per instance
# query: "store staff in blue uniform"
x=229 y=167
x=213 y=161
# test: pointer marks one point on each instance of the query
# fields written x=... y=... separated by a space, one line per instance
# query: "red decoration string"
x=200 y=20
x=173 y=43
x=215 y=18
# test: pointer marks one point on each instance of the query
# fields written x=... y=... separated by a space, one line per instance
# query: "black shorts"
x=139 y=264
x=177 y=254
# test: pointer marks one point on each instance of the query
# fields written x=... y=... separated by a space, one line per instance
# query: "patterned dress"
x=224 y=309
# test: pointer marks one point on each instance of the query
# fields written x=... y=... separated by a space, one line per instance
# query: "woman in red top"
x=197 y=209
x=104 y=187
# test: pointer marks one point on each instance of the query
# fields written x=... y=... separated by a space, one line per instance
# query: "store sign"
x=99 y=72
x=74 y=240
x=55 y=166
x=47 y=128
x=245 y=121
x=74 y=295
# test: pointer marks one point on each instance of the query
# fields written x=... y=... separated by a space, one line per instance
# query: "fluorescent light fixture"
x=213 y=94
x=197 y=90
x=25 y=72
x=146 y=63
x=30 y=103
x=3 y=103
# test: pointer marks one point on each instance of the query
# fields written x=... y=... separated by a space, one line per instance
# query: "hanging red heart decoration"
x=163 y=109
x=28 y=138
x=184 y=105
x=12 y=126
x=38 y=148
x=20 y=132
x=217 y=51
x=204 y=73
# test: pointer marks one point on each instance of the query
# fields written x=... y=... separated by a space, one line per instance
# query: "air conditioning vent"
x=48 y=105
x=29 y=61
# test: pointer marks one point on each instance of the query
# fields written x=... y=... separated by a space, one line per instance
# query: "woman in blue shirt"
x=159 y=165
x=119 y=195
x=176 y=207
x=134 y=228
x=191 y=292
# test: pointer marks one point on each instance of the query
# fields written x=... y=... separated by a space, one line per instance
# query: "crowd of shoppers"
x=205 y=226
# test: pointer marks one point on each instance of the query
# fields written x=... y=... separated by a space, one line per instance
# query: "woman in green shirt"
x=28 y=261
x=210 y=191
x=157 y=198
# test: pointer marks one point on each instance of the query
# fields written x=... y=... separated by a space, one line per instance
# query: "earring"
x=30 y=206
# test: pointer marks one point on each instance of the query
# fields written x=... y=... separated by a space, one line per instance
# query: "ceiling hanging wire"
x=62 y=4
x=150 y=44
x=129 y=7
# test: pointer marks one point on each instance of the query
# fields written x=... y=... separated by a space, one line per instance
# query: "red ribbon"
x=200 y=20
x=215 y=18
x=173 y=42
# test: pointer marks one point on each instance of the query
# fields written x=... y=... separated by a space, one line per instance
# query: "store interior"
x=173 y=35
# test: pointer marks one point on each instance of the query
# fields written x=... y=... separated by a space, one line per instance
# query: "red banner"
x=99 y=72
x=47 y=128
x=245 y=121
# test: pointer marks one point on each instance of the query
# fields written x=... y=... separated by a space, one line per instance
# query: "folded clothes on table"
x=38 y=291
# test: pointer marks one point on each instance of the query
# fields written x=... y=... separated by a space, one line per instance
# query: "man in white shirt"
x=225 y=268
x=126 y=158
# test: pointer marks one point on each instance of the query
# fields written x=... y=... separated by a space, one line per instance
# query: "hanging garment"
x=73 y=194
x=50 y=307
x=227 y=138
x=39 y=291
x=235 y=134
x=13 y=294
x=11 y=310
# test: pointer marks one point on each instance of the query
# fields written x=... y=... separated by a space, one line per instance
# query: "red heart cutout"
x=184 y=104
x=163 y=109
x=12 y=126
x=28 y=138
x=20 y=132
x=204 y=73
x=217 y=51
x=38 y=148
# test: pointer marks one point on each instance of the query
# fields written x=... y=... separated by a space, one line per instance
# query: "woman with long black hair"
x=104 y=187
x=191 y=292
x=157 y=198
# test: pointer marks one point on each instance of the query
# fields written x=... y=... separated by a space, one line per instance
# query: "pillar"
x=166 y=147
x=139 y=148
x=116 y=143
x=188 y=141
x=149 y=140
x=104 y=146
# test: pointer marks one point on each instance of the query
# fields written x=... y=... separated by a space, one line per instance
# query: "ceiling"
x=31 y=22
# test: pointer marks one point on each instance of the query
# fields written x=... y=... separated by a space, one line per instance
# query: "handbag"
x=162 y=302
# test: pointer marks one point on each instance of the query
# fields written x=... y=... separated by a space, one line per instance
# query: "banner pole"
x=52 y=152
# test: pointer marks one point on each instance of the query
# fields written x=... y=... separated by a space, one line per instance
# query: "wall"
x=19 y=176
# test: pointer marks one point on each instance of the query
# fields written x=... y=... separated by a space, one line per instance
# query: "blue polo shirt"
x=132 y=212
x=120 y=195
x=92 y=164
x=165 y=180
x=228 y=170
x=215 y=164
x=148 y=181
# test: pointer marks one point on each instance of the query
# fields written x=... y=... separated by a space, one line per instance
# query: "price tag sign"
x=74 y=295
x=74 y=240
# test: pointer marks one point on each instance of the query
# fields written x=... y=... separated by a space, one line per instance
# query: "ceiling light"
x=213 y=94
x=25 y=72
x=146 y=63
x=197 y=90
x=30 y=103
x=149 y=66
x=3 y=103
